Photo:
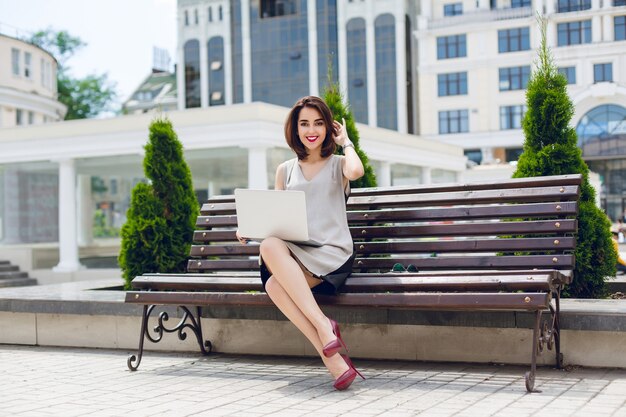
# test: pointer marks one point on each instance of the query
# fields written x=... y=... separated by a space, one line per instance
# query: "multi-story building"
x=276 y=51
x=156 y=93
x=28 y=84
x=474 y=62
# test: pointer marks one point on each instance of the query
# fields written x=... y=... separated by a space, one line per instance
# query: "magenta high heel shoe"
x=345 y=380
x=333 y=347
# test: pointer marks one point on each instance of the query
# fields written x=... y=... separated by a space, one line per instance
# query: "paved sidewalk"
x=38 y=381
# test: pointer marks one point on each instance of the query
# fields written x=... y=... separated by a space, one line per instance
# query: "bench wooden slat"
x=515 y=195
x=425 y=301
x=468 y=245
x=440 y=262
x=535 y=210
x=560 y=226
x=364 y=284
x=470 y=262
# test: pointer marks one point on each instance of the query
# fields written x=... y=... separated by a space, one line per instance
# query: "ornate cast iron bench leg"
x=530 y=376
x=195 y=325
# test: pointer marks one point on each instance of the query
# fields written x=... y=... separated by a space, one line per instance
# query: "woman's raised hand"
x=341 y=138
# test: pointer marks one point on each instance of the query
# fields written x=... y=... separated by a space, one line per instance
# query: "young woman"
x=291 y=272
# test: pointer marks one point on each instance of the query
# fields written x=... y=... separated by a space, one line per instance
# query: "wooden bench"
x=502 y=245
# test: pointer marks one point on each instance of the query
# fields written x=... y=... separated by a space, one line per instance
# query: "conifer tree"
x=550 y=148
x=335 y=100
x=160 y=220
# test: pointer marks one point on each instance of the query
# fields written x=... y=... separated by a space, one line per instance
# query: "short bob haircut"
x=291 y=127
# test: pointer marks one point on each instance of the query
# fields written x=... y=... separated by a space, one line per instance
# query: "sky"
x=120 y=34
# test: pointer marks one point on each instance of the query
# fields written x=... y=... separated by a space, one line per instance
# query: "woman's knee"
x=271 y=246
x=271 y=285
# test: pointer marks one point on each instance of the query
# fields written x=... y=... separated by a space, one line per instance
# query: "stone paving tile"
x=74 y=382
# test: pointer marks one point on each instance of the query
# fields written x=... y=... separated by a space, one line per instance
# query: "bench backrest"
x=511 y=224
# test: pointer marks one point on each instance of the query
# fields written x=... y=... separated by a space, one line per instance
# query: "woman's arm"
x=351 y=163
x=279 y=182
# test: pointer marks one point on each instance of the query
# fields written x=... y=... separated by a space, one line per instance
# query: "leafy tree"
x=550 y=148
x=84 y=97
x=335 y=100
x=160 y=220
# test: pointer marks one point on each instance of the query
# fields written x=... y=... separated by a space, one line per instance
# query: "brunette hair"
x=291 y=127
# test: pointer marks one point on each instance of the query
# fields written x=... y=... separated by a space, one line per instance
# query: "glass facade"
x=217 y=87
x=520 y=3
x=29 y=203
x=620 y=28
x=514 y=78
x=192 y=73
x=357 y=69
x=280 y=55
x=601 y=134
x=237 y=50
x=327 y=43
x=573 y=33
x=386 y=83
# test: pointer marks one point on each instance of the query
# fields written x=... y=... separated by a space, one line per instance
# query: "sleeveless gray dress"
x=327 y=223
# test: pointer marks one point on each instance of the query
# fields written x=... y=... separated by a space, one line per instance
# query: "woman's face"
x=311 y=128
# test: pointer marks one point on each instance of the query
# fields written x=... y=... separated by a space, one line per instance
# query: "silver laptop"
x=278 y=213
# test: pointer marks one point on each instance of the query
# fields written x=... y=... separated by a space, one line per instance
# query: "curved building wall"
x=28 y=86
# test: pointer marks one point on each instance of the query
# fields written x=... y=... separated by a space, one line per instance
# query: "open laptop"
x=278 y=213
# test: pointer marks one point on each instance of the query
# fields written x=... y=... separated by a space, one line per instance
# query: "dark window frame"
x=452 y=46
x=452 y=84
x=574 y=33
x=453 y=121
x=517 y=77
x=514 y=40
x=603 y=72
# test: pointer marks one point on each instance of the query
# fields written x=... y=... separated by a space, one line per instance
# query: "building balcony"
x=480 y=16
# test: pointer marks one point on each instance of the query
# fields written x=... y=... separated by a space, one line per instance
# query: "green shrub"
x=340 y=111
x=550 y=148
x=160 y=221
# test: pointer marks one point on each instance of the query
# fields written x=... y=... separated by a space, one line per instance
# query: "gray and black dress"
x=327 y=223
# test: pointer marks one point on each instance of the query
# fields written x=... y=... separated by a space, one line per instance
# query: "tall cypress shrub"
x=340 y=110
x=160 y=221
x=550 y=148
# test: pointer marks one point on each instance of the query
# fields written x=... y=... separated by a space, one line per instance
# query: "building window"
x=513 y=154
x=511 y=117
x=186 y=17
x=619 y=3
x=453 y=121
x=191 y=52
x=512 y=40
x=452 y=9
x=210 y=14
x=474 y=155
x=573 y=5
x=220 y=14
x=31 y=117
x=386 y=61
x=451 y=47
x=19 y=117
x=514 y=78
x=569 y=73
x=217 y=85
x=603 y=73
x=195 y=16
x=28 y=72
x=452 y=84
x=357 y=69
x=275 y=8
x=520 y=3
x=574 y=33
x=620 y=28
x=15 y=60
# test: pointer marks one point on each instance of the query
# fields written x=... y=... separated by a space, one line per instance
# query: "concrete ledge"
x=77 y=315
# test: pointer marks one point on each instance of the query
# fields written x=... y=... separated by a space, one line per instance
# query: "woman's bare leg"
x=292 y=279
x=335 y=364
